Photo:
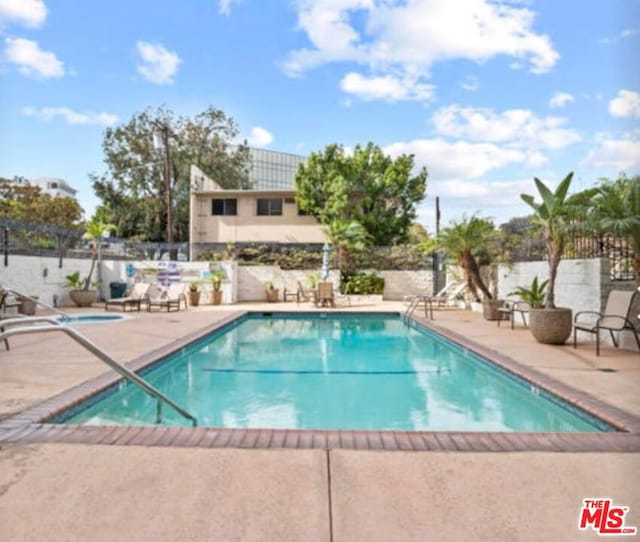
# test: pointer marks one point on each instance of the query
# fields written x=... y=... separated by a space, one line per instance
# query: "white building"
x=54 y=186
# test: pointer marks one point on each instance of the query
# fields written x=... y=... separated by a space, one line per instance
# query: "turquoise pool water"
x=337 y=372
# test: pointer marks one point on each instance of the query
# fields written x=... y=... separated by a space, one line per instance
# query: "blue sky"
x=486 y=94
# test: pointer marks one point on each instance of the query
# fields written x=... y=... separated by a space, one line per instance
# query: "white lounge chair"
x=169 y=299
x=136 y=297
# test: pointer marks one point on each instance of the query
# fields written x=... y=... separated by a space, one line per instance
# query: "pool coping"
x=30 y=425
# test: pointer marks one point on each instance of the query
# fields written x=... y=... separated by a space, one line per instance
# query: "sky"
x=486 y=94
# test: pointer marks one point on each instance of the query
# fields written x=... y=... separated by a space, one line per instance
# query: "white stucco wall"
x=41 y=277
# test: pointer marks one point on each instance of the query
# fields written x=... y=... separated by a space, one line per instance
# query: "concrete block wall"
x=398 y=284
x=41 y=276
x=578 y=283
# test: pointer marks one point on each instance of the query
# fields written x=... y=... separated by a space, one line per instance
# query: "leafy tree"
x=554 y=214
x=133 y=190
x=20 y=200
x=348 y=237
x=462 y=241
x=367 y=187
x=520 y=239
x=615 y=208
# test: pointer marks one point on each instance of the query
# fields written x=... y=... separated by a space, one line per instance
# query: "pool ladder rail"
x=415 y=303
x=123 y=371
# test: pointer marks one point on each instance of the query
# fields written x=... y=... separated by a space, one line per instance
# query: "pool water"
x=337 y=372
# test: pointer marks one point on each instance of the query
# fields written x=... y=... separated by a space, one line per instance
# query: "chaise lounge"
x=170 y=299
x=133 y=301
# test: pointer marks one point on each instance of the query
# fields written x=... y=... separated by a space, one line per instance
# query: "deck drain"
x=607 y=370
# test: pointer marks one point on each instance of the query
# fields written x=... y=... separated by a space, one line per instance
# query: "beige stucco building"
x=263 y=214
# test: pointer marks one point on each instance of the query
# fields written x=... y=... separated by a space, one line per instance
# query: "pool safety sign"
x=604 y=517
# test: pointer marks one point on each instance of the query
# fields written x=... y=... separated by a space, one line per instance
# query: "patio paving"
x=76 y=492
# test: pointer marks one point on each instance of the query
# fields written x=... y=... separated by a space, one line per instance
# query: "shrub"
x=362 y=284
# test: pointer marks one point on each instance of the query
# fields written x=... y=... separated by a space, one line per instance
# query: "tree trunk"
x=87 y=282
x=636 y=267
x=554 y=255
x=474 y=279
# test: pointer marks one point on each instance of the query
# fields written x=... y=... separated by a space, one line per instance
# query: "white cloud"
x=31 y=60
x=628 y=32
x=483 y=193
x=460 y=159
x=31 y=13
x=517 y=127
x=385 y=87
x=470 y=83
x=224 y=6
x=619 y=154
x=260 y=137
x=405 y=39
x=625 y=104
x=560 y=99
x=70 y=116
x=159 y=65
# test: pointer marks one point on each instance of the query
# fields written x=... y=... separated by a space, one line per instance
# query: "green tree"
x=348 y=237
x=367 y=187
x=462 y=241
x=554 y=214
x=615 y=208
x=133 y=190
x=19 y=200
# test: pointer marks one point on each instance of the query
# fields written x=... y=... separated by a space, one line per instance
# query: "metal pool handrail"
x=127 y=374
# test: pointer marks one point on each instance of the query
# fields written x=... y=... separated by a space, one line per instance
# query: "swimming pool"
x=336 y=371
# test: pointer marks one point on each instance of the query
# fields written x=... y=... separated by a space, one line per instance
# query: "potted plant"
x=216 y=277
x=84 y=292
x=81 y=293
x=534 y=294
x=550 y=324
x=271 y=291
x=194 y=293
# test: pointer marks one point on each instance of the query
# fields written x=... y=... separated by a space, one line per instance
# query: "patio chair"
x=451 y=294
x=511 y=308
x=306 y=294
x=291 y=291
x=133 y=301
x=616 y=317
x=169 y=299
x=325 y=295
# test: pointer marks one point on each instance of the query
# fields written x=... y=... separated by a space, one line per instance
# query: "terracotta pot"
x=215 y=297
x=490 y=309
x=194 y=298
x=272 y=295
x=83 y=298
x=550 y=326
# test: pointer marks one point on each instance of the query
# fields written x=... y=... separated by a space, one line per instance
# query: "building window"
x=227 y=207
x=269 y=206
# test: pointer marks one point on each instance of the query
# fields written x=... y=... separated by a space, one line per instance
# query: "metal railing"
x=97 y=351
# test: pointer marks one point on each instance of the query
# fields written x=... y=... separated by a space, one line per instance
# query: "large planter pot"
x=83 y=298
x=194 y=298
x=26 y=306
x=215 y=297
x=490 y=309
x=272 y=294
x=550 y=326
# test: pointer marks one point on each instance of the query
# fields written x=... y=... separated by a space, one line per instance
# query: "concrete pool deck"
x=75 y=492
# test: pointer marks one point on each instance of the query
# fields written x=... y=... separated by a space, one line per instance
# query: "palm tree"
x=347 y=236
x=460 y=240
x=616 y=209
x=94 y=232
x=553 y=214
